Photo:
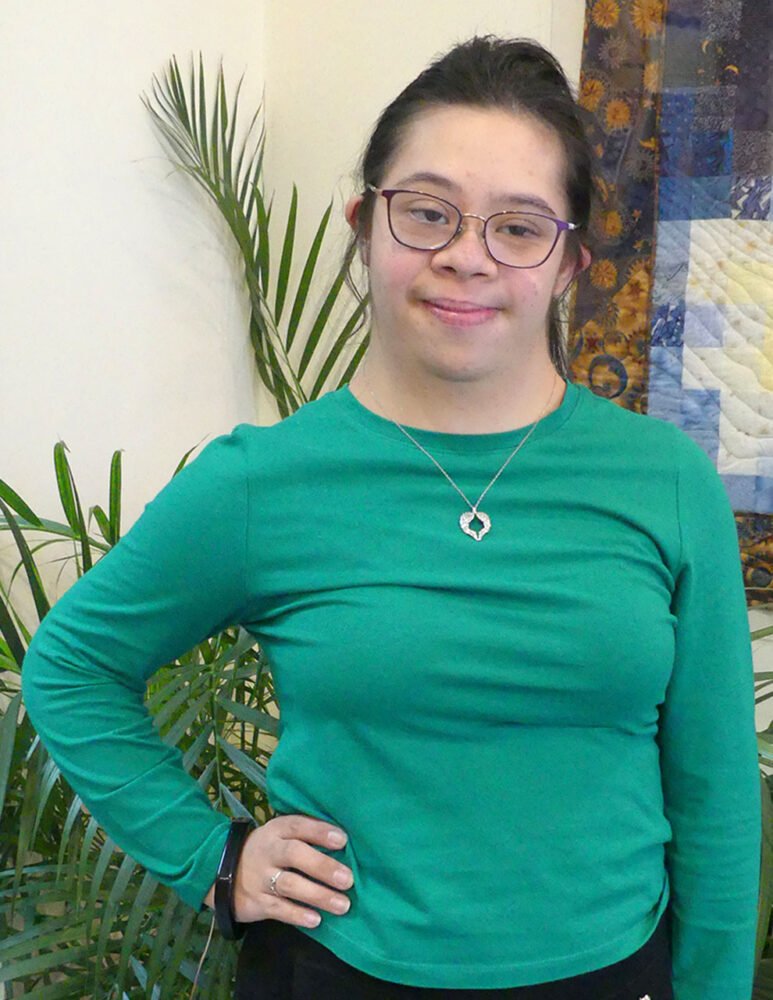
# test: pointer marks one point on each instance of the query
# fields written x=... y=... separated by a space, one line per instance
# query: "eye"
x=519 y=229
x=421 y=211
x=429 y=214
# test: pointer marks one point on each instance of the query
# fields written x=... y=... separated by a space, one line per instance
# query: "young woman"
x=505 y=619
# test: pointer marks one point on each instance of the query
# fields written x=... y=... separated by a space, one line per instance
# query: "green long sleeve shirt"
x=535 y=742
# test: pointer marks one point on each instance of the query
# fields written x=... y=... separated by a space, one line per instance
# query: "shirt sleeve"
x=708 y=752
x=177 y=577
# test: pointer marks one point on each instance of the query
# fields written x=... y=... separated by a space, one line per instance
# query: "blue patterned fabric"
x=711 y=340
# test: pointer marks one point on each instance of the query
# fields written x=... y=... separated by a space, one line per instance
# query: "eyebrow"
x=427 y=177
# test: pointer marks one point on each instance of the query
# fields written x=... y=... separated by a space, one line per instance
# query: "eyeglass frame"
x=388 y=193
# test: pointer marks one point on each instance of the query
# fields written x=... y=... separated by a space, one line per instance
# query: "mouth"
x=457 y=312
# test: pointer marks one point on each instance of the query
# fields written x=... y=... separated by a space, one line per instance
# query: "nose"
x=467 y=252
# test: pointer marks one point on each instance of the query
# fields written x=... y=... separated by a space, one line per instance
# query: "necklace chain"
x=466 y=519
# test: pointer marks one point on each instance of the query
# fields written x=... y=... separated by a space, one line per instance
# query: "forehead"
x=488 y=153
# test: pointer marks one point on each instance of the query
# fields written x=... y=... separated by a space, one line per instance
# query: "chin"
x=465 y=373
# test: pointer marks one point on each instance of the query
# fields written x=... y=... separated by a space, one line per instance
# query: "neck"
x=456 y=406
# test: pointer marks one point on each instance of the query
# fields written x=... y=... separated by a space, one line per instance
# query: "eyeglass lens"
x=520 y=239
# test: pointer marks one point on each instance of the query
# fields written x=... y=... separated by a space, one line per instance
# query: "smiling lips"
x=460 y=313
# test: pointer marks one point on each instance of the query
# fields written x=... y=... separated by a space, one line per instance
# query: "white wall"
x=121 y=322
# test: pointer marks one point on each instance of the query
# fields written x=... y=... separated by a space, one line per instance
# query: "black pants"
x=279 y=962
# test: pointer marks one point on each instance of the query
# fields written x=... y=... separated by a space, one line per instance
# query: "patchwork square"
x=715 y=107
x=751 y=493
x=694 y=198
x=711 y=197
x=668 y=324
x=675 y=198
x=752 y=153
x=672 y=262
x=711 y=153
x=721 y=18
x=704 y=325
x=677 y=117
x=750 y=197
x=680 y=67
x=700 y=415
x=665 y=383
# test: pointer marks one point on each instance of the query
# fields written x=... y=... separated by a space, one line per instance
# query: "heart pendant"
x=468 y=517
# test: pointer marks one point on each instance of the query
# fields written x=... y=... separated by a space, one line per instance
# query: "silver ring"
x=272 y=884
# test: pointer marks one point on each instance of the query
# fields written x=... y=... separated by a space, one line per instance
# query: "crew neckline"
x=444 y=441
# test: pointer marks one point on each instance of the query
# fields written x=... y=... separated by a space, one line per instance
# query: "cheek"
x=548 y=281
x=392 y=274
x=529 y=289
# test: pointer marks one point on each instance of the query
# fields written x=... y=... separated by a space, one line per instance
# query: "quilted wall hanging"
x=675 y=315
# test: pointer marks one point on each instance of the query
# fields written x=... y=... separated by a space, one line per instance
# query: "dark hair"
x=488 y=72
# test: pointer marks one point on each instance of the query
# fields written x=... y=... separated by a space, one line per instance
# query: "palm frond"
x=203 y=143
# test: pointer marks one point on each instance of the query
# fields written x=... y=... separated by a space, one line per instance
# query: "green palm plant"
x=78 y=917
x=292 y=354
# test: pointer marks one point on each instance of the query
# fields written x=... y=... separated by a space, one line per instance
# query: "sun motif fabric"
x=605 y=13
x=647 y=16
x=675 y=315
x=619 y=90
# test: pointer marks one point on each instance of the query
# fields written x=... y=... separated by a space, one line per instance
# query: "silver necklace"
x=468 y=516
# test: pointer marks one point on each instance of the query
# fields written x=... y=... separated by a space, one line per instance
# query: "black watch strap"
x=225 y=880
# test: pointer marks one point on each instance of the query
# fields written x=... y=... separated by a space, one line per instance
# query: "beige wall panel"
x=122 y=324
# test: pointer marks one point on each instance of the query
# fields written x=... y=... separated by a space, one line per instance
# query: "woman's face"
x=456 y=313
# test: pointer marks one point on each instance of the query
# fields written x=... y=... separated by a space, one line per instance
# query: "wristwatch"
x=225 y=880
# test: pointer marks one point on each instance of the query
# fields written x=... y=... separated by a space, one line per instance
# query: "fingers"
x=313 y=831
x=289 y=912
x=292 y=887
x=282 y=847
x=308 y=861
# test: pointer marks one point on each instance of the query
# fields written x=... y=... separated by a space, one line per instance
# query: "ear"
x=351 y=213
x=573 y=264
x=583 y=262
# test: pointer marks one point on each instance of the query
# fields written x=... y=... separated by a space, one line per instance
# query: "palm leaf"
x=16 y=503
x=71 y=504
x=114 y=503
x=253 y=716
x=766 y=871
x=10 y=633
x=286 y=259
x=306 y=278
x=204 y=145
x=8 y=728
x=42 y=605
x=354 y=362
x=198 y=147
x=103 y=522
x=320 y=321
x=340 y=344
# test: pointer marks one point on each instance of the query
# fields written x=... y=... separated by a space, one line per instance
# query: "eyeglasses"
x=516 y=239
